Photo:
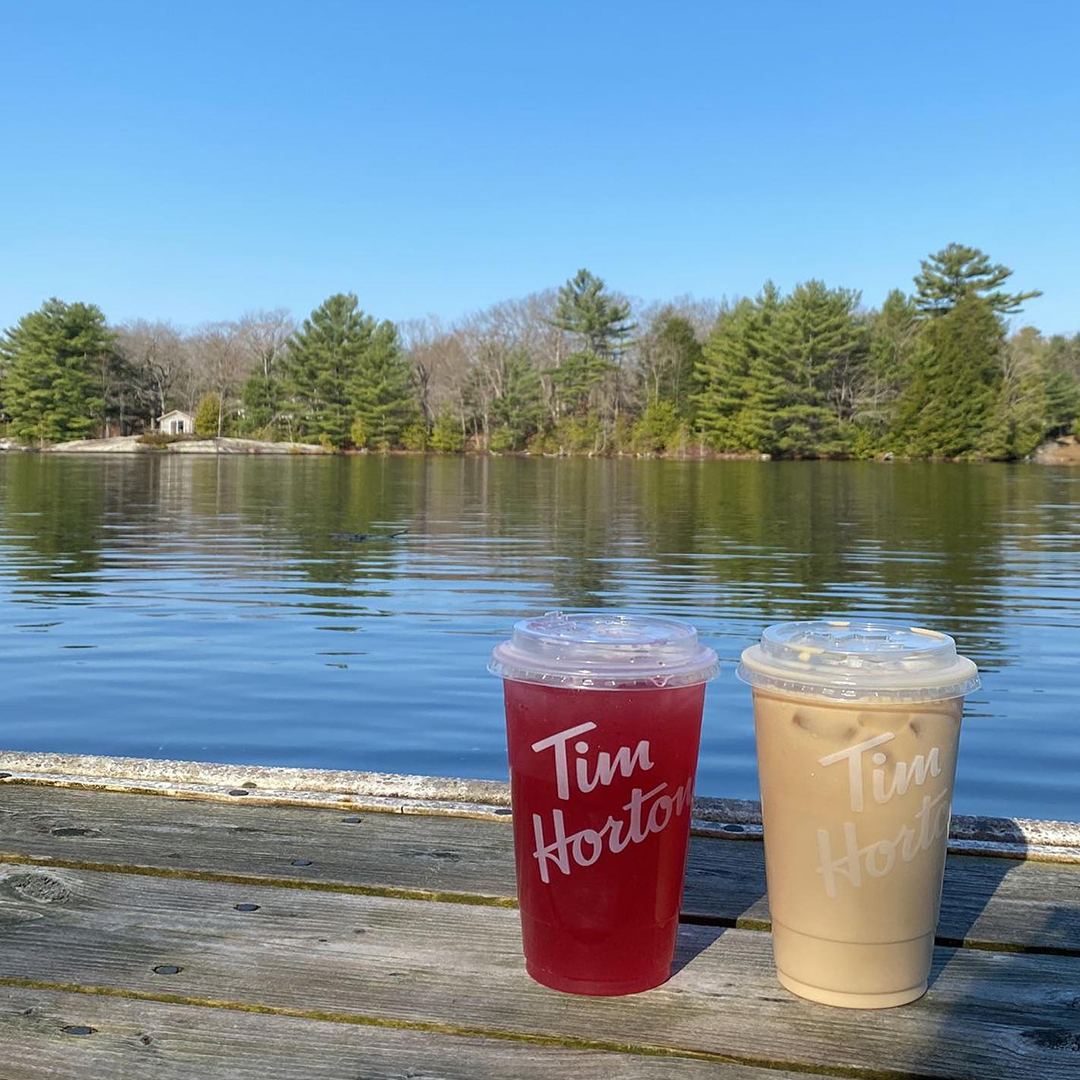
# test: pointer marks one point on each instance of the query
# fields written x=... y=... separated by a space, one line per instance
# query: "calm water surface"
x=201 y=607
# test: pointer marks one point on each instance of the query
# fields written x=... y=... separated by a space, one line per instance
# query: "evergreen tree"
x=262 y=397
x=739 y=378
x=53 y=361
x=950 y=400
x=208 y=416
x=380 y=390
x=1060 y=363
x=577 y=377
x=520 y=407
x=668 y=356
x=584 y=307
x=446 y=434
x=821 y=349
x=342 y=365
x=957 y=271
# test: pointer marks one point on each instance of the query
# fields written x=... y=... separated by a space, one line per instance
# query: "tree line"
x=578 y=370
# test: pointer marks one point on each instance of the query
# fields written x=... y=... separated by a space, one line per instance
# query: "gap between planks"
x=472 y=1032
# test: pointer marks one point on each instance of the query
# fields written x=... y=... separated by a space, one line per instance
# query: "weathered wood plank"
x=989 y=1016
x=988 y=902
x=146 y=1040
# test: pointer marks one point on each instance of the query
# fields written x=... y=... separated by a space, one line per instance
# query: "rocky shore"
x=133 y=444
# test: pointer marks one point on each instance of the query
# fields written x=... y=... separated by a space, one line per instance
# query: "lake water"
x=200 y=607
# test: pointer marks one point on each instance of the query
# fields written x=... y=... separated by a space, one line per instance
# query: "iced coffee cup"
x=857 y=727
x=603 y=720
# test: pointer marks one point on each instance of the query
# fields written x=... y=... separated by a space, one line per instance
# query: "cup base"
x=593 y=987
x=841 y=1000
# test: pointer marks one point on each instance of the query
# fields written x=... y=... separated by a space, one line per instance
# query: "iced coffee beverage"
x=857 y=729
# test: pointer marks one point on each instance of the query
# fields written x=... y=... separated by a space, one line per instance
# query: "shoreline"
x=1064 y=450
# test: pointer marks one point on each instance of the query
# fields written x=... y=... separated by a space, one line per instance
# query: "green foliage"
x=799 y=375
x=158 y=439
x=342 y=365
x=446 y=434
x=957 y=271
x=262 y=398
x=501 y=440
x=585 y=307
x=578 y=435
x=821 y=346
x=543 y=442
x=380 y=390
x=740 y=376
x=358 y=434
x=1059 y=361
x=952 y=393
x=519 y=409
x=577 y=376
x=53 y=360
x=669 y=355
x=658 y=428
x=415 y=436
x=208 y=416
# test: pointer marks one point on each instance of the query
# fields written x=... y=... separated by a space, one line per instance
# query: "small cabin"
x=176 y=422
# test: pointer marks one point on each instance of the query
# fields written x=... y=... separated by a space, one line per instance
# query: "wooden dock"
x=162 y=921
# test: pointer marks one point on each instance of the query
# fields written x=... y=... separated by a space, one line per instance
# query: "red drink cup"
x=603 y=720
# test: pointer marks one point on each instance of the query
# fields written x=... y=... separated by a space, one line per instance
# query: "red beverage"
x=602 y=760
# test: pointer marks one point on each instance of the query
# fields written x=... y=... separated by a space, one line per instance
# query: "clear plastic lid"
x=604 y=650
x=852 y=661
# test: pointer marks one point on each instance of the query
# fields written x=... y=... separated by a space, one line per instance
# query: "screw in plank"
x=238 y=791
x=503 y=810
x=300 y=862
x=78 y=1029
x=167 y=969
x=351 y=820
x=4 y=775
x=247 y=907
x=732 y=828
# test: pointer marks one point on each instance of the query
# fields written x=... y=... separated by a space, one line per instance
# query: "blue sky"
x=193 y=161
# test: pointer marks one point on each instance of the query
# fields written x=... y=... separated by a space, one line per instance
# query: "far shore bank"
x=1060 y=451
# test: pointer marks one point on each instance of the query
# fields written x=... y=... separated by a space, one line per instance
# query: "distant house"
x=176 y=422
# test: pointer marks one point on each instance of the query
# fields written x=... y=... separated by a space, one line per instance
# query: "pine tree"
x=53 y=360
x=446 y=434
x=380 y=391
x=342 y=365
x=957 y=271
x=668 y=356
x=1060 y=363
x=739 y=384
x=262 y=397
x=821 y=347
x=519 y=407
x=584 y=307
x=949 y=403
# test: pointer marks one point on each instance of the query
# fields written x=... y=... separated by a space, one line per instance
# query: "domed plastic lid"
x=848 y=660
x=604 y=650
